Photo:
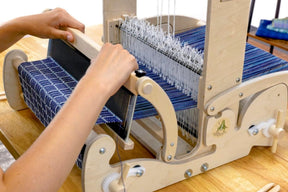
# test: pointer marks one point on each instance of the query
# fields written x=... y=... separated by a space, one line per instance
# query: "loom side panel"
x=225 y=41
x=224 y=46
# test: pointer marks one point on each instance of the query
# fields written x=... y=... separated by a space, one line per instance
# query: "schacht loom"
x=241 y=102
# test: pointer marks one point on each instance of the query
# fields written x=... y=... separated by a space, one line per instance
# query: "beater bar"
x=179 y=64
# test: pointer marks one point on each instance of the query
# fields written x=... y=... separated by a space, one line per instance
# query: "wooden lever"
x=276 y=131
x=91 y=49
x=145 y=87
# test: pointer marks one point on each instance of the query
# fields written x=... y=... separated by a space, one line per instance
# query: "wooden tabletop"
x=282 y=44
x=20 y=128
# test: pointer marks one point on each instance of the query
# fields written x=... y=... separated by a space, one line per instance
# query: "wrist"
x=21 y=25
x=10 y=33
x=96 y=87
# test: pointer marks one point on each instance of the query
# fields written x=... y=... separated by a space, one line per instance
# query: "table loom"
x=239 y=104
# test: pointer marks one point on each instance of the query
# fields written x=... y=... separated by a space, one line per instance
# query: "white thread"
x=121 y=163
x=174 y=17
x=138 y=36
x=158 y=13
x=161 y=13
x=116 y=176
x=168 y=25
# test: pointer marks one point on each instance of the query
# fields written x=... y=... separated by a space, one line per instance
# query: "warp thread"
x=178 y=63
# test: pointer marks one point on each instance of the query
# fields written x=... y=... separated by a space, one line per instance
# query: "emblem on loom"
x=221 y=127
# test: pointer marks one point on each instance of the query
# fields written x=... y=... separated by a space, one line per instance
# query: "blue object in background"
x=263 y=31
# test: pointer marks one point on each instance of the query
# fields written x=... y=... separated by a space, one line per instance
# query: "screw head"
x=139 y=172
x=255 y=132
x=172 y=144
x=204 y=167
x=188 y=173
x=241 y=94
x=209 y=87
x=212 y=108
x=169 y=157
x=102 y=150
x=238 y=80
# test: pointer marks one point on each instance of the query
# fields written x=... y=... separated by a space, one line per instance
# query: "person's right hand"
x=112 y=67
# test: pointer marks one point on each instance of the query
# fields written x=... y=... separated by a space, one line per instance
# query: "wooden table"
x=20 y=128
x=282 y=44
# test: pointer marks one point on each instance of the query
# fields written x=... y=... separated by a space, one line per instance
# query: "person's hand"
x=111 y=68
x=50 y=24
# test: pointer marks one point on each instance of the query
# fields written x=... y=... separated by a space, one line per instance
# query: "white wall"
x=265 y=9
x=85 y=10
x=90 y=11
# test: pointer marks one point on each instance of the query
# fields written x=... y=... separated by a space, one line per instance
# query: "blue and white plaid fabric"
x=46 y=87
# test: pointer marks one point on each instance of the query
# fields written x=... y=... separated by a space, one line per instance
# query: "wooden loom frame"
x=219 y=99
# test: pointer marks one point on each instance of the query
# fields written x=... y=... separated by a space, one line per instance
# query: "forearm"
x=52 y=156
x=10 y=33
x=51 y=24
x=49 y=160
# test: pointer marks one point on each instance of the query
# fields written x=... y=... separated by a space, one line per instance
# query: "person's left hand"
x=51 y=24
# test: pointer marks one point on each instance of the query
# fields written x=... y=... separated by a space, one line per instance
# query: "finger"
x=69 y=37
x=134 y=62
x=61 y=34
x=131 y=60
x=69 y=21
x=111 y=54
x=65 y=19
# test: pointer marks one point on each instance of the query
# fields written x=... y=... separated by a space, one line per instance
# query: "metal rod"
x=276 y=16
x=251 y=14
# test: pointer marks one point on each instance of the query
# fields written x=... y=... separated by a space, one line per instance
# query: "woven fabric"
x=46 y=87
x=257 y=62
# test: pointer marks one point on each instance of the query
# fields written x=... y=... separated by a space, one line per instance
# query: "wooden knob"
x=147 y=88
x=276 y=130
